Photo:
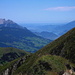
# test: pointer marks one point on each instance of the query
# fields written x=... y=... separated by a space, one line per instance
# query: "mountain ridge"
x=9 y=23
x=60 y=30
x=13 y=35
x=67 y=39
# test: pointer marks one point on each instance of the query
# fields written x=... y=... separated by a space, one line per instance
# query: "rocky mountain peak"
x=9 y=23
x=2 y=21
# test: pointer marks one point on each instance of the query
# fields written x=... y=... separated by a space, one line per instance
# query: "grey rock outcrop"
x=13 y=67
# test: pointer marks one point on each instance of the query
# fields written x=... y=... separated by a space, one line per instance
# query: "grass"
x=57 y=64
x=8 y=54
x=63 y=46
x=7 y=65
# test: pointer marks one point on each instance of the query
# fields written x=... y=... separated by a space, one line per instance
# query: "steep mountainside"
x=45 y=65
x=63 y=46
x=48 y=60
x=13 y=35
x=8 y=54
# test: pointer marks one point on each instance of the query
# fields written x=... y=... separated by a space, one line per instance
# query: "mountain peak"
x=2 y=21
x=8 y=23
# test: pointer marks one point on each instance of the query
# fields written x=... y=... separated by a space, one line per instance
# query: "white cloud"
x=61 y=8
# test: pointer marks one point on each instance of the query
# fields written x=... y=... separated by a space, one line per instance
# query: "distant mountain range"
x=56 y=29
x=40 y=27
x=60 y=30
x=47 y=35
x=14 y=35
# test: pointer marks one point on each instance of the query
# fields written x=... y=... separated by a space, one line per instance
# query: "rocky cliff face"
x=10 y=70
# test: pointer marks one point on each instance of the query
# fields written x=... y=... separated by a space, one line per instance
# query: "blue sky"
x=38 y=11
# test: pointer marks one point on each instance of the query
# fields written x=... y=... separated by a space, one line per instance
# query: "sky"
x=38 y=11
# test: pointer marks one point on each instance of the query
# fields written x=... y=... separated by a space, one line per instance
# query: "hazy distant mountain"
x=56 y=29
x=13 y=35
x=64 y=28
x=40 y=27
x=68 y=26
x=9 y=23
x=47 y=35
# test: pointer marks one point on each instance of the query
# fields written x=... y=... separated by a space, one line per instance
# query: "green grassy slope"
x=63 y=46
x=8 y=54
x=7 y=65
x=44 y=65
